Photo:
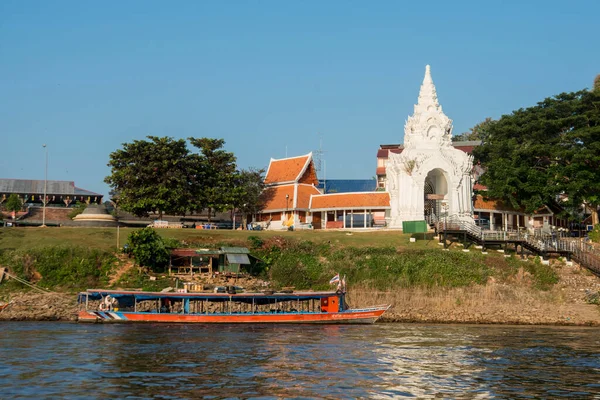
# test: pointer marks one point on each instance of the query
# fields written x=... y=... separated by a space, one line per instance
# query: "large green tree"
x=249 y=185
x=152 y=176
x=214 y=172
x=478 y=132
x=533 y=155
x=577 y=171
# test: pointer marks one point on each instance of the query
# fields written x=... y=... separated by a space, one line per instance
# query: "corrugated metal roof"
x=235 y=250
x=29 y=186
x=84 y=192
x=238 y=258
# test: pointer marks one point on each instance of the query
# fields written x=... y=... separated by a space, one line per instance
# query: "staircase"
x=452 y=227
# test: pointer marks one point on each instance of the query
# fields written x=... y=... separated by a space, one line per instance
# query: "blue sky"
x=269 y=77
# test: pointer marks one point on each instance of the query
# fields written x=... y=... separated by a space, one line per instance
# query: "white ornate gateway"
x=430 y=177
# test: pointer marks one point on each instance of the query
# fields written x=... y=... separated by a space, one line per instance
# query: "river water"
x=77 y=361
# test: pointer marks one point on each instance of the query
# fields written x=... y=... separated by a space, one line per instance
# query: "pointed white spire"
x=428 y=126
x=427 y=94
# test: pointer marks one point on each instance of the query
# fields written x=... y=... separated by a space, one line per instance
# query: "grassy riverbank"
x=423 y=282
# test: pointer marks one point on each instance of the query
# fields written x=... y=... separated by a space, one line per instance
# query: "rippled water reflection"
x=62 y=360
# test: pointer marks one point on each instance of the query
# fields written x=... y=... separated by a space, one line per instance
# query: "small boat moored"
x=99 y=305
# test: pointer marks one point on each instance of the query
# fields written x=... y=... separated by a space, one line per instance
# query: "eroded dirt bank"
x=40 y=307
x=517 y=302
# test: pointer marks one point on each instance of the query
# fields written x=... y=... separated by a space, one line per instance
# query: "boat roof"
x=258 y=298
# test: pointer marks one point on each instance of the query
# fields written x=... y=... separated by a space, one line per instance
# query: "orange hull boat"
x=246 y=308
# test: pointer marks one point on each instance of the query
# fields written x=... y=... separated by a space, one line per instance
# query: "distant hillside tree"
x=151 y=176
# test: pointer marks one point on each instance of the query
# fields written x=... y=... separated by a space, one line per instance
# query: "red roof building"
x=292 y=199
x=290 y=184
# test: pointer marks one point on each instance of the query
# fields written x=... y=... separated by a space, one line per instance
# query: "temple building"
x=290 y=184
x=426 y=178
x=59 y=193
x=293 y=199
x=429 y=177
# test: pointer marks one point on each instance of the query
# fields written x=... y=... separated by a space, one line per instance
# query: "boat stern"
x=86 y=316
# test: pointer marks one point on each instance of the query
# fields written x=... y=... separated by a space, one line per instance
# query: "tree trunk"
x=594 y=211
x=209 y=212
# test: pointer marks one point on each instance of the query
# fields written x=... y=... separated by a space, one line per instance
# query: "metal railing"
x=582 y=252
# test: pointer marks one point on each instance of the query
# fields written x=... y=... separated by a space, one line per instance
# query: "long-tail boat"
x=99 y=305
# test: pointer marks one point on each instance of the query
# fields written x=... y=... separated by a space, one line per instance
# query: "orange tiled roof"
x=276 y=199
x=497 y=205
x=351 y=200
x=287 y=169
x=489 y=204
x=304 y=193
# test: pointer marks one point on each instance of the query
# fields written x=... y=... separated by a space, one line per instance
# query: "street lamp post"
x=287 y=198
x=45 y=188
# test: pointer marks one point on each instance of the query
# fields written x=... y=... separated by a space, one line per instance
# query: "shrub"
x=13 y=203
x=149 y=249
x=594 y=235
x=255 y=242
x=76 y=210
x=544 y=276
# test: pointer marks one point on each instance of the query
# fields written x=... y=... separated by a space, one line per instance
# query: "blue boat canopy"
x=249 y=298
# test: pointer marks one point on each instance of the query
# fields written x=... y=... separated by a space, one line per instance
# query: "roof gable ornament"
x=428 y=126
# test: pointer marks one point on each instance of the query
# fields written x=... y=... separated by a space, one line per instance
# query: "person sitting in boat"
x=166 y=306
x=107 y=303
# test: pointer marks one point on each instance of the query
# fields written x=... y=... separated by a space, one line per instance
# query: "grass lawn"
x=106 y=238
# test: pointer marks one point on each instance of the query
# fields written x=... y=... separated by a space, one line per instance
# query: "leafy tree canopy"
x=162 y=175
x=151 y=176
x=13 y=203
x=533 y=155
x=248 y=191
x=149 y=248
x=214 y=175
x=248 y=187
x=478 y=132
